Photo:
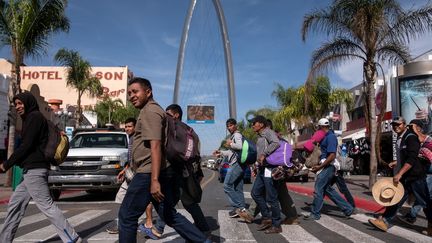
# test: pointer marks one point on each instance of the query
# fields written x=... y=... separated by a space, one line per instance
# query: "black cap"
x=418 y=122
x=398 y=120
x=260 y=119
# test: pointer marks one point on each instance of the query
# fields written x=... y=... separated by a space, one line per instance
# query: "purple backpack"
x=282 y=155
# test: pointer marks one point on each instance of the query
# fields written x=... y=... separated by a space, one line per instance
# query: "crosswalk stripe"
x=32 y=219
x=346 y=231
x=50 y=232
x=3 y=215
x=170 y=235
x=296 y=234
x=103 y=237
x=232 y=230
x=247 y=195
x=398 y=231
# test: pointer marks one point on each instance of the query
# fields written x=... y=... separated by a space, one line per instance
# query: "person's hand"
x=155 y=190
x=228 y=143
x=261 y=159
x=396 y=178
x=392 y=164
x=2 y=168
x=121 y=175
x=315 y=168
x=216 y=153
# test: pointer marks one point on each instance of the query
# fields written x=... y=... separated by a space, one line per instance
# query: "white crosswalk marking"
x=230 y=228
x=3 y=215
x=296 y=234
x=346 y=230
x=50 y=232
x=32 y=219
x=103 y=237
x=170 y=235
x=247 y=195
x=398 y=231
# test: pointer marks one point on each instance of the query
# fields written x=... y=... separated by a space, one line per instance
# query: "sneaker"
x=379 y=224
x=291 y=221
x=310 y=216
x=273 y=230
x=113 y=229
x=233 y=213
x=407 y=219
x=244 y=214
x=147 y=232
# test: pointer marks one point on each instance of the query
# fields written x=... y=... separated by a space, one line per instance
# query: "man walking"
x=412 y=175
x=233 y=183
x=265 y=189
x=325 y=174
x=31 y=158
x=155 y=180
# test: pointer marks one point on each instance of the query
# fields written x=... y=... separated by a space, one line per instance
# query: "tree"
x=79 y=76
x=114 y=111
x=371 y=31
x=25 y=26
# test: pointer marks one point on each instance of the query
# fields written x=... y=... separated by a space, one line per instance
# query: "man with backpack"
x=412 y=175
x=30 y=156
x=325 y=171
x=190 y=187
x=233 y=183
x=155 y=180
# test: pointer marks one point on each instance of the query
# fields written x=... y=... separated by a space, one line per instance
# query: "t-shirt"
x=328 y=144
x=150 y=126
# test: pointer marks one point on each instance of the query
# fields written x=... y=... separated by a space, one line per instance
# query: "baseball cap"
x=398 y=120
x=418 y=122
x=323 y=122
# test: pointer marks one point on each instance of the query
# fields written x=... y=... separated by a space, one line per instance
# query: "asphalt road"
x=91 y=213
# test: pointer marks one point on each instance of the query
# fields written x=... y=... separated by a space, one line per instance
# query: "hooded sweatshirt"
x=30 y=155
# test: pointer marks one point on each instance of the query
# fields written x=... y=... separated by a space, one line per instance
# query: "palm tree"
x=371 y=31
x=110 y=111
x=25 y=26
x=79 y=76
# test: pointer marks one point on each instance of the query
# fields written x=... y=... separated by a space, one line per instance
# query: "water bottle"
x=344 y=150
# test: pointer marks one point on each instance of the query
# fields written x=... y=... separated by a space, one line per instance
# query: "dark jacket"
x=30 y=155
x=409 y=150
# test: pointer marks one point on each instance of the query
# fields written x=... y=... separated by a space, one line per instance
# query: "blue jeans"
x=233 y=186
x=265 y=191
x=421 y=194
x=418 y=205
x=138 y=197
x=323 y=186
x=341 y=184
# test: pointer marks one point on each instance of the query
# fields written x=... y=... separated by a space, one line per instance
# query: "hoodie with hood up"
x=30 y=154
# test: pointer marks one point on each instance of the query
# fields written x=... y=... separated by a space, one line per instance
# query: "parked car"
x=223 y=169
x=93 y=162
x=211 y=164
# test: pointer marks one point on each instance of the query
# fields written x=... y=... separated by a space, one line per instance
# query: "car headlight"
x=111 y=158
x=111 y=166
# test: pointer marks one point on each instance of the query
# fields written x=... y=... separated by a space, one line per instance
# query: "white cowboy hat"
x=386 y=193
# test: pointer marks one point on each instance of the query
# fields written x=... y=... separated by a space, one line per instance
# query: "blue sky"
x=145 y=35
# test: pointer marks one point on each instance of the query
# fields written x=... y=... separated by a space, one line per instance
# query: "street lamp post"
x=64 y=117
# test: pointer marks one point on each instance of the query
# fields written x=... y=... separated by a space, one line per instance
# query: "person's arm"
x=156 y=155
x=273 y=144
x=31 y=138
x=327 y=161
x=236 y=143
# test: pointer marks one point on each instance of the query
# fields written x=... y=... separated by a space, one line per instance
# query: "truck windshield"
x=95 y=140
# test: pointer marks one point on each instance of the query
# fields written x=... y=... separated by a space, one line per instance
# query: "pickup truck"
x=92 y=164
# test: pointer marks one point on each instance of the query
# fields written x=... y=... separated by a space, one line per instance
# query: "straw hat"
x=386 y=193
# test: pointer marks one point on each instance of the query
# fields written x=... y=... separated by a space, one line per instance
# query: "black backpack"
x=182 y=143
x=57 y=146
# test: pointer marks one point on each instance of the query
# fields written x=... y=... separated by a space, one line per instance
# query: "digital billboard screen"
x=416 y=99
x=200 y=114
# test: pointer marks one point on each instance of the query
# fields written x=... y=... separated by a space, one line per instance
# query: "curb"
x=360 y=202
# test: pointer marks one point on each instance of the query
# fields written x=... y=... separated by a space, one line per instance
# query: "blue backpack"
x=248 y=153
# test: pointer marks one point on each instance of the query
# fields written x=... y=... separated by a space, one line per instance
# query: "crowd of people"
x=150 y=181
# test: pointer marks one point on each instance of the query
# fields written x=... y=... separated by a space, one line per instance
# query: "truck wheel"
x=55 y=194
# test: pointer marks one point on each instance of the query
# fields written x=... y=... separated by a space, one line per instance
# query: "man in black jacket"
x=29 y=156
x=412 y=174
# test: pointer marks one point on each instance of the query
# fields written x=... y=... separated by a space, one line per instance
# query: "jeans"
x=418 y=205
x=265 y=191
x=421 y=194
x=341 y=184
x=35 y=186
x=138 y=197
x=323 y=186
x=233 y=186
x=195 y=210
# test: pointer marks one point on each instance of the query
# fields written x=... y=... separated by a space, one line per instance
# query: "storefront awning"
x=355 y=134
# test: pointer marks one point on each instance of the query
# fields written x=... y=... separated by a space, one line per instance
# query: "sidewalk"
x=357 y=184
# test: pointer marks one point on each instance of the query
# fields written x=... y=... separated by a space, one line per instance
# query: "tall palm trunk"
x=369 y=69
